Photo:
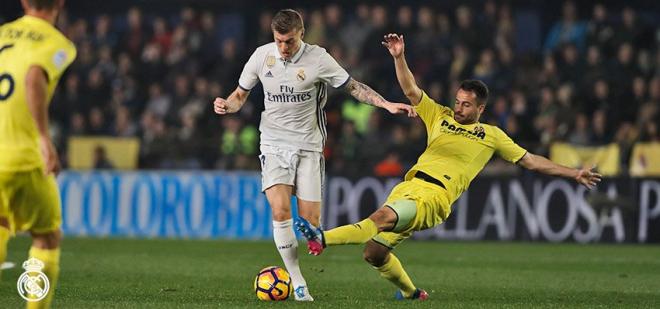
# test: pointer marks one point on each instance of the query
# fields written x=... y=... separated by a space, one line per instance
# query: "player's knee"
x=384 y=218
x=50 y=240
x=375 y=258
x=312 y=219
x=281 y=214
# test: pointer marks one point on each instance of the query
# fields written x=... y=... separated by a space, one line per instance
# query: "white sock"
x=287 y=245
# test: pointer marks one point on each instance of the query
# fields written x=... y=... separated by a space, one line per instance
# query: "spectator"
x=315 y=32
x=600 y=31
x=630 y=30
x=485 y=69
x=571 y=66
x=650 y=132
x=156 y=142
x=97 y=123
x=124 y=125
x=467 y=33
x=134 y=37
x=103 y=36
x=623 y=69
x=355 y=33
x=600 y=128
x=594 y=68
x=77 y=125
x=101 y=160
x=580 y=135
x=567 y=30
x=333 y=23
x=188 y=142
x=161 y=35
x=159 y=103
x=390 y=166
x=349 y=146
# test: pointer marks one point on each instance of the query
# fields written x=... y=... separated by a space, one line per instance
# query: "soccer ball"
x=272 y=283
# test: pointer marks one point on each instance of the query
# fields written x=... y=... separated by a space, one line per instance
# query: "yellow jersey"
x=456 y=153
x=25 y=42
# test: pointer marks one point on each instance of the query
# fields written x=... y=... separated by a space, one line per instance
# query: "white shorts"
x=302 y=169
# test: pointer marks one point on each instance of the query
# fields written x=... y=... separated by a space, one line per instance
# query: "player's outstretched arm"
x=36 y=83
x=365 y=94
x=396 y=46
x=585 y=177
x=232 y=104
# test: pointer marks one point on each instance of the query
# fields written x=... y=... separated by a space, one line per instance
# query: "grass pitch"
x=134 y=273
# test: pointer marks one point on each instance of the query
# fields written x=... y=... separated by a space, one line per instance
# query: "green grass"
x=123 y=273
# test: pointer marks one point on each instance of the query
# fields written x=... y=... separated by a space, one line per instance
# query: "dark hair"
x=478 y=88
x=287 y=20
x=42 y=4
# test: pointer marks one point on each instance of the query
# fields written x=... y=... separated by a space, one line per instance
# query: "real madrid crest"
x=33 y=284
x=300 y=75
x=270 y=61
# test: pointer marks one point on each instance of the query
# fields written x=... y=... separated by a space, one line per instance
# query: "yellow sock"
x=394 y=272
x=51 y=260
x=357 y=233
x=4 y=238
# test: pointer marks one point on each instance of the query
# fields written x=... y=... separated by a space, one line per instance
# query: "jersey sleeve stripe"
x=246 y=89
x=344 y=83
x=520 y=157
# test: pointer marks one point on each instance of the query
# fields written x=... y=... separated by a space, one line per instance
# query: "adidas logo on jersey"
x=269 y=74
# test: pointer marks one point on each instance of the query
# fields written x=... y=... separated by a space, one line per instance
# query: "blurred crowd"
x=585 y=77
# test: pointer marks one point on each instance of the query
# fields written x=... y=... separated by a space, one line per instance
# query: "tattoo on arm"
x=364 y=93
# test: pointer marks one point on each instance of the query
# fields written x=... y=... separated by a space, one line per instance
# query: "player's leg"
x=279 y=198
x=310 y=178
x=46 y=248
x=311 y=211
x=5 y=213
x=278 y=171
x=44 y=218
x=382 y=219
x=4 y=239
x=395 y=215
x=390 y=268
x=310 y=174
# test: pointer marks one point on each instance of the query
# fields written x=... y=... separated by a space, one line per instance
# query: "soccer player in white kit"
x=295 y=76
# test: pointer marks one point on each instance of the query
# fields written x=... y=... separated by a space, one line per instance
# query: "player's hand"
x=50 y=157
x=588 y=178
x=401 y=108
x=221 y=106
x=394 y=44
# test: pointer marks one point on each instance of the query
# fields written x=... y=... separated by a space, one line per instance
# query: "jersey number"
x=6 y=81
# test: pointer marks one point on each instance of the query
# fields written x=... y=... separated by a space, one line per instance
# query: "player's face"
x=466 y=108
x=288 y=43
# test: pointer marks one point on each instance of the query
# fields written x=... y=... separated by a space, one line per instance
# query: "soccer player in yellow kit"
x=458 y=147
x=33 y=56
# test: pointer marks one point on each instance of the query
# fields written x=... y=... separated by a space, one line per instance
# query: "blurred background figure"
x=101 y=160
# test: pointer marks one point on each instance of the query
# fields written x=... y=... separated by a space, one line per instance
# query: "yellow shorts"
x=30 y=201
x=432 y=208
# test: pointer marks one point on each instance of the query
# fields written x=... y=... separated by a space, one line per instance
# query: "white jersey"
x=295 y=93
